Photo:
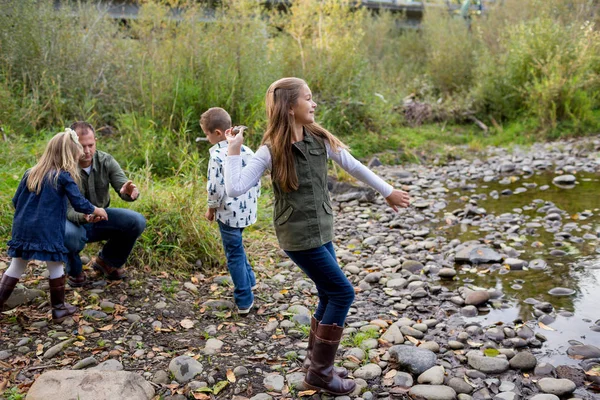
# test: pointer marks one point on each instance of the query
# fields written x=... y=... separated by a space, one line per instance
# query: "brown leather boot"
x=314 y=323
x=111 y=273
x=60 y=309
x=320 y=376
x=7 y=285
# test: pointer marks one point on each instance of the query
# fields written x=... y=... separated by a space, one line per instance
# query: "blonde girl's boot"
x=7 y=285
x=60 y=309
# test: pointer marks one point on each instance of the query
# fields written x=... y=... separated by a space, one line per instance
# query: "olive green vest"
x=303 y=218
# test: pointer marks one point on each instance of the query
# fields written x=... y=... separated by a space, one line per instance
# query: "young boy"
x=232 y=214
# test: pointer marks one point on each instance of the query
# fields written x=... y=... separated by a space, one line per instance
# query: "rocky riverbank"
x=425 y=278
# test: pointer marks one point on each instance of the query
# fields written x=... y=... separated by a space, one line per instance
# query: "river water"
x=577 y=269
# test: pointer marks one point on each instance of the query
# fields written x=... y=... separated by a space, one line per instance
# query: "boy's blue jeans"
x=238 y=265
x=120 y=232
x=336 y=293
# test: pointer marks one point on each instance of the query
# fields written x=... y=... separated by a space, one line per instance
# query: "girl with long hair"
x=295 y=149
x=38 y=229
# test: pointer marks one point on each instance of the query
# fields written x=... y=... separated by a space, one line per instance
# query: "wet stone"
x=561 y=291
x=558 y=387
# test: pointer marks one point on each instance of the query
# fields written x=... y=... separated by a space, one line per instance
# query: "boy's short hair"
x=215 y=118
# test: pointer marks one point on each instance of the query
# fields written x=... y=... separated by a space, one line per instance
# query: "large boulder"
x=90 y=385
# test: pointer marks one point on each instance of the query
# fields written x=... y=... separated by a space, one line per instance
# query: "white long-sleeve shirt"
x=237 y=211
x=239 y=179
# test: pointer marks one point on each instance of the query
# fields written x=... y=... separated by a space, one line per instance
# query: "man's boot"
x=314 y=323
x=7 y=285
x=320 y=375
x=60 y=309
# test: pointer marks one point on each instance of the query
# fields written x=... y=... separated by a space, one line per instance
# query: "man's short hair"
x=215 y=118
x=82 y=127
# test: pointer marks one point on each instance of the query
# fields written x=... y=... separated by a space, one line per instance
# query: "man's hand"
x=210 y=214
x=92 y=219
x=398 y=198
x=130 y=190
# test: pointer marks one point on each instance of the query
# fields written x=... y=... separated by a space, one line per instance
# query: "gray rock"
x=393 y=335
x=459 y=385
x=219 y=304
x=432 y=392
x=488 y=365
x=86 y=362
x=564 y=180
x=213 y=346
x=295 y=380
x=413 y=266
x=477 y=297
x=160 y=377
x=412 y=359
x=433 y=376
x=22 y=295
x=90 y=385
x=524 y=361
x=506 y=396
x=544 y=397
x=447 y=273
x=403 y=379
x=367 y=372
x=54 y=350
x=184 y=368
x=409 y=331
x=561 y=291
x=584 y=351
x=261 y=396
x=109 y=365
x=558 y=387
x=274 y=382
x=477 y=254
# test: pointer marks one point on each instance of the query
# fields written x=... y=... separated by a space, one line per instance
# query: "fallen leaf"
x=201 y=396
x=546 y=327
x=230 y=376
x=106 y=328
x=194 y=280
x=413 y=340
x=40 y=349
x=306 y=393
x=220 y=386
x=491 y=352
x=391 y=373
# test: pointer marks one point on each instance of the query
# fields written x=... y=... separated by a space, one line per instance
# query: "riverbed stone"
x=106 y=385
x=368 y=372
x=523 y=361
x=433 y=376
x=412 y=359
x=184 y=368
x=584 y=351
x=558 y=387
x=432 y=392
x=488 y=365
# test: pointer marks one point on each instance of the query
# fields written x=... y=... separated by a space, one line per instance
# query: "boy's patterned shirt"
x=237 y=212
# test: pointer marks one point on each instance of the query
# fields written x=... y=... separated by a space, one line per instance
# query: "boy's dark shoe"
x=111 y=273
x=77 y=281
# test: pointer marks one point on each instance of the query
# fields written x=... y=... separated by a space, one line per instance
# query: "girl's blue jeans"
x=238 y=265
x=336 y=293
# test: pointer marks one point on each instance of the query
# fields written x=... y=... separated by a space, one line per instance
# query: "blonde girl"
x=39 y=222
x=295 y=149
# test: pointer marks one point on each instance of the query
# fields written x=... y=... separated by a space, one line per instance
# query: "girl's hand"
x=235 y=141
x=398 y=198
x=100 y=212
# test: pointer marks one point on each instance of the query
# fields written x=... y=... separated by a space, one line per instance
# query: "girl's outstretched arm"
x=395 y=198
